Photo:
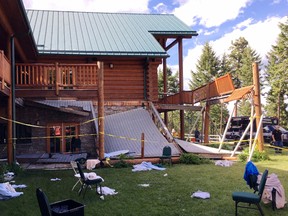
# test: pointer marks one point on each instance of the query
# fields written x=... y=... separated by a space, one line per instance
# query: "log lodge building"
x=62 y=72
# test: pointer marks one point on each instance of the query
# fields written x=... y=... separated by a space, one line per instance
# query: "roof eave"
x=185 y=34
x=104 y=53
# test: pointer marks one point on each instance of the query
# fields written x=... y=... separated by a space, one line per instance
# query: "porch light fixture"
x=111 y=66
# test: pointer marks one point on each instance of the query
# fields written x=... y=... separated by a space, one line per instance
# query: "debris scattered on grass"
x=201 y=195
x=8 y=176
x=144 y=185
x=55 y=179
x=224 y=163
x=19 y=186
x=107 y=191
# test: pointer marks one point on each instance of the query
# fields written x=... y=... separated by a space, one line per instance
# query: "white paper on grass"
x=201 y=195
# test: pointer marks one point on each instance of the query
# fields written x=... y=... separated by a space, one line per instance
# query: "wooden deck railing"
x=5 y=71
x=219 y=87
x=56 y=76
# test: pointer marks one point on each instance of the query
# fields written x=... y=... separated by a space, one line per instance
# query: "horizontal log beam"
x=69 y=93
x=178 y=107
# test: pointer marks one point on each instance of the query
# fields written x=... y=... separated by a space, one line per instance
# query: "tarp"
x=7 y=191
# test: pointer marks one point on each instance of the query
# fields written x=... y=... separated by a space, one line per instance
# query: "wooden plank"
x=45 y=93
x=178 y=107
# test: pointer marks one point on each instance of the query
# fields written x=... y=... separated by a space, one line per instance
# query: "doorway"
x=61 y=137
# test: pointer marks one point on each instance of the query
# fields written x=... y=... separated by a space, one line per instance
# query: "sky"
x=218 y=22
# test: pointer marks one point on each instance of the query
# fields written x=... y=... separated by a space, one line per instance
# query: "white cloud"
x=161 y=8
x=210 y=13
x=261 y=36
x=89 y=5
x=206 y=33
x=244 y=24
x=276 y=1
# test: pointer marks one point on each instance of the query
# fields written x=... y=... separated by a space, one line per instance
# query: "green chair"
x=166 y=155
x=251 y=198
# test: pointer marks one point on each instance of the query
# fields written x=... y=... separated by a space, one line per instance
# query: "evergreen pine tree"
x=172 y=87
x=172 y=82
x=276 y=76
x=241 y=58
x=208 y=68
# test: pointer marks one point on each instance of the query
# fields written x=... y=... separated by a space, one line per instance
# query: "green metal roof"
x=103 y=34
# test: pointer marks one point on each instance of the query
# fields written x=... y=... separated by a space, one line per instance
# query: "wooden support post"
x=2 y=74
x=182 y=125
x=101 y=109
x=58 y=78
x=257 y=104
x=9 y=132
x=207 y=116
x=165 y=87
x=181 y=87
x=142 y=145
x=206 y=123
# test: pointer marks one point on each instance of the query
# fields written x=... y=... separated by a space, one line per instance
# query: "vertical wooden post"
x=2 y=74
x=181 y=87
x=206 y=123
x=257 y=104
x=58 y=78
x=165 y=87
x=101 y=109
x=142 y=145
x=13 y=104
x=207 y=116
x=9 y=132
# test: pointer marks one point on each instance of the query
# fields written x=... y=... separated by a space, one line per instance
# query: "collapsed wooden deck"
x=205 y=151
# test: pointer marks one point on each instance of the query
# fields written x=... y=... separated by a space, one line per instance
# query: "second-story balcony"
x=56 y=80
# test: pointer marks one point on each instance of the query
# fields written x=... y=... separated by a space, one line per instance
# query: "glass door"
x=55 y=139
x=62 y=137
x=70 y=135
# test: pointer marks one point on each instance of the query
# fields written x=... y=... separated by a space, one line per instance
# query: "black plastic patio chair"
x=166 y=155
x=88 y=182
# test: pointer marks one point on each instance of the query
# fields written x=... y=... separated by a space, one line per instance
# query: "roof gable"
x=89 y=33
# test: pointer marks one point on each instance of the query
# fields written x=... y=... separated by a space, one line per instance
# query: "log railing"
x=56 y=76
x=5 y=71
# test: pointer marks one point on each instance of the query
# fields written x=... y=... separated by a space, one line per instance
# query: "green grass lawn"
x=166 y=195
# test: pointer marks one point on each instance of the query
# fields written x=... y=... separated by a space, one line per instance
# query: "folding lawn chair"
x=76 y=174
x=86 y=182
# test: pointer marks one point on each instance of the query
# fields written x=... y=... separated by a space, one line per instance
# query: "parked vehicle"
x=239 y=124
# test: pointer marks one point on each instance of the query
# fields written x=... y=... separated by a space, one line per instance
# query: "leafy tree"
x=276 y=76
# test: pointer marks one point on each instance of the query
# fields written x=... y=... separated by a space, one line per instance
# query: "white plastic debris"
x=55 y=179
x=224 y=163
x=201 y=195
x=144 y=185
x=107 y=191
x=8 y=176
